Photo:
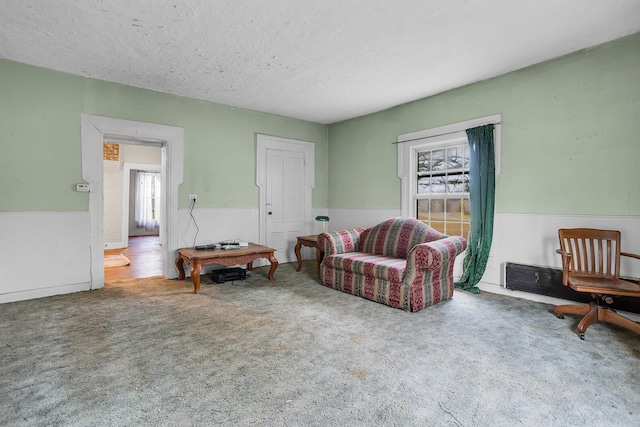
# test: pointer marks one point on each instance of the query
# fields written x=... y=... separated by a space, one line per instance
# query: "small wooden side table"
x=311 y=242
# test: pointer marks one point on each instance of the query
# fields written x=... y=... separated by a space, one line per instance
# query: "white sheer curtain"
x=147 y=200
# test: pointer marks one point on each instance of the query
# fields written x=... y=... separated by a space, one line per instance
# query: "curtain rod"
x=440 y=134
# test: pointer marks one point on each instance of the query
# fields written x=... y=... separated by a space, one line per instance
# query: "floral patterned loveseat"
x=401 y=262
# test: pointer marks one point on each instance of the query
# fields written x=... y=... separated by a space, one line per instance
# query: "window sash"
x=441 y=197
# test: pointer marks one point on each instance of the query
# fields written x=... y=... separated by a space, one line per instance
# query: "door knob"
x=270 y=213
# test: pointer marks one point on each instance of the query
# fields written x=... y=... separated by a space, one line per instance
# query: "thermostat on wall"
x=82 y=187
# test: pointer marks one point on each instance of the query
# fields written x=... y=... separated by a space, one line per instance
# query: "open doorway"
x=143 y=259
x=95 y=131
x=132 y=194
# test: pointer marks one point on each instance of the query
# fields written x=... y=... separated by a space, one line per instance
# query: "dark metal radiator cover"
x=548 y=281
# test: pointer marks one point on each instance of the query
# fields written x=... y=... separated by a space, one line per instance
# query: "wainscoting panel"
x=43 y=254
x=533 y=240
x=47 y=253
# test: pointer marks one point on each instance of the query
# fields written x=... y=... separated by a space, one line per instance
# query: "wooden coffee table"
x=226 y=257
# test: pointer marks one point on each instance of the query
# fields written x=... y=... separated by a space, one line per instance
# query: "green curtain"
x=482 y=200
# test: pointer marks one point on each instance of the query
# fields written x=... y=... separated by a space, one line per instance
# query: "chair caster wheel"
x=581 y=336
x=559 y=316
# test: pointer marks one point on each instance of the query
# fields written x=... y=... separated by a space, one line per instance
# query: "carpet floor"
x=295 y=353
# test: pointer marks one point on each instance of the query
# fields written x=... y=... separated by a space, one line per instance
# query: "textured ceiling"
x=323 y=61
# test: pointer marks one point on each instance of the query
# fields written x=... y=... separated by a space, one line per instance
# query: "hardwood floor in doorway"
x=145 y=254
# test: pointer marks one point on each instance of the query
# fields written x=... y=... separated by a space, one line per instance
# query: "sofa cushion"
x=396 y=237
x=366 y=264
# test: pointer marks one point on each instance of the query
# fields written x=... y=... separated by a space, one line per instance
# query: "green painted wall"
x=40 y=159
x=39 y=139
x=570 y=137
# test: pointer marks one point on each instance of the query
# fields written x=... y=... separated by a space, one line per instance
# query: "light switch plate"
x=83 y=188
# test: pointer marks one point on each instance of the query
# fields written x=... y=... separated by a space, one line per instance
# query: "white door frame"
x=266 y=142
x=94 y=129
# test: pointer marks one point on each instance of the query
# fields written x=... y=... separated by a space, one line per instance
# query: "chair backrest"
x=594 y=253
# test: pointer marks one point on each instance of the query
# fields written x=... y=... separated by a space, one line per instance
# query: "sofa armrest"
x=433 y=255
x=340 y=241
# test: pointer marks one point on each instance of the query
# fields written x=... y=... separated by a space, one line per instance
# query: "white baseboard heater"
x=548 y=281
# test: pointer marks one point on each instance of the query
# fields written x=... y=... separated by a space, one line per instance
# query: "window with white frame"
x=433 y=165
x=148 y=194
x=442 y=187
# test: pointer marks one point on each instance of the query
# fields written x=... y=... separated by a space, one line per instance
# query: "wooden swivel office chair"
x=591 y=263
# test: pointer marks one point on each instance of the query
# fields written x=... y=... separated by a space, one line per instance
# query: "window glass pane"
x=439 y=184
x=424 y=164
x=438 y=225
x=454 y=210
x=423 y=210
x=424 y=184
x=454 y=229
x=457 y=183
x=455 y=158
x=438 y=160
x=437 y=209
x=466 y=213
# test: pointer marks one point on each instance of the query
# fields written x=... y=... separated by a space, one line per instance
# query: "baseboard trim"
x=44 y=292
x=115 y=245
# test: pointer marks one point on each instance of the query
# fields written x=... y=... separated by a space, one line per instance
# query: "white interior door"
x=285 y=204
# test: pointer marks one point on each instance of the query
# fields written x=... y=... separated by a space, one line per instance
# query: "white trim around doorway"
x=94 y=130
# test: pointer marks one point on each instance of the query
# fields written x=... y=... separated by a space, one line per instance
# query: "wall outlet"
x=193 y=198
